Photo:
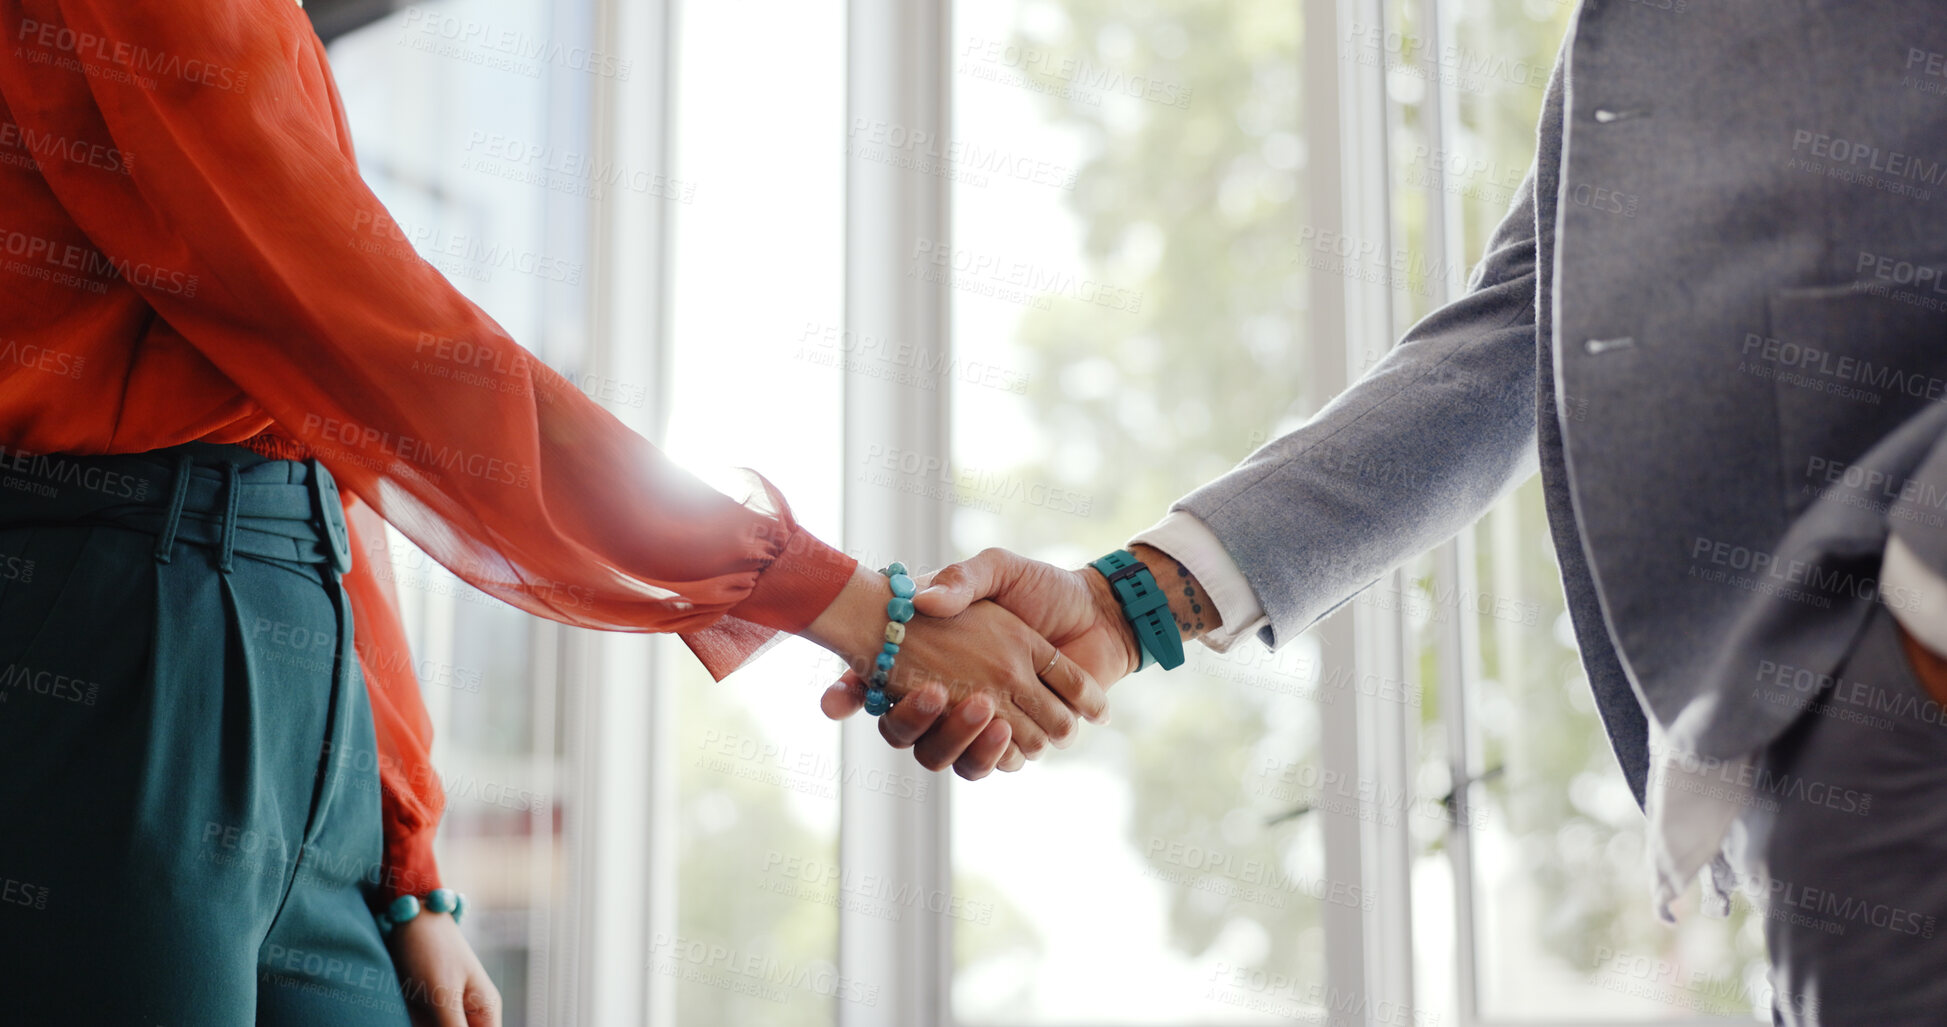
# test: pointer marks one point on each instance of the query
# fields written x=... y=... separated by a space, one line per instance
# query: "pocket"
x=35 y=566
x=1849 y=364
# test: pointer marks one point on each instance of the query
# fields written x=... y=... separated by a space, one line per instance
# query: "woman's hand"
x=442 y=980
x=980 y=651
x=969 y=738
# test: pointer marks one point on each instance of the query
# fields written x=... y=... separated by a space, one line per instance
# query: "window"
x=449 y=135
x=1126 y=182
x=755 y=293
x=1559 y=921
x=1018 y=273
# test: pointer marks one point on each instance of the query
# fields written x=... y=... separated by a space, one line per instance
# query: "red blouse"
x=185 y=253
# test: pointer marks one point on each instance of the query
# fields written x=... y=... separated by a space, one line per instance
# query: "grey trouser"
x=1855 y=875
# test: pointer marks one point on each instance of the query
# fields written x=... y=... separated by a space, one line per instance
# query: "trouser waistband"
x=221 y=497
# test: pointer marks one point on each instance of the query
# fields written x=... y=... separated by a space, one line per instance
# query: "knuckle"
x=930 y=700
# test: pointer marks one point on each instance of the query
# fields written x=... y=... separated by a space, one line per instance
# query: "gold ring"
x=1051 y=665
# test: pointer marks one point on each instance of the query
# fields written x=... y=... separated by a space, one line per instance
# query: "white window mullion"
x=1388 y=729
x=1456 y=636
x=1345 y=116
x=622 y=882
x=896 y=74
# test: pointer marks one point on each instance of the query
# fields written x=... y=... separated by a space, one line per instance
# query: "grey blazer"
x=1714 y=317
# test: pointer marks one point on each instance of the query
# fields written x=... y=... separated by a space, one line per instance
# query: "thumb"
x=960 y=585
x=844 y=698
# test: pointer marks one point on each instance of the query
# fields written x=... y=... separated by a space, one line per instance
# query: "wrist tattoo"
x=1192 y=623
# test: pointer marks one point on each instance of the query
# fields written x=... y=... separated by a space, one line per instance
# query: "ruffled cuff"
x=803 y=576
x=804 y=579
x=407 y=866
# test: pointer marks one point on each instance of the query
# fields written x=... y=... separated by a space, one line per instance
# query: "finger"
x=445 y=1003
x=1076 y=686
x=986 y=752
x=482 y=1002
x=1013 y=760
x=1002 y=684
x=912 y=716
x=1048 y=709
x=453 y=1011
x=942 y=746
x=957 y=586
x=1023 y=711
x=845 y=697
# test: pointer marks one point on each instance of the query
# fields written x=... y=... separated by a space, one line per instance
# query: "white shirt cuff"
x=1922 y=610
x=1190 y=541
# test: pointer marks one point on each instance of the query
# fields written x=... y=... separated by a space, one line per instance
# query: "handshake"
x=1002 y=654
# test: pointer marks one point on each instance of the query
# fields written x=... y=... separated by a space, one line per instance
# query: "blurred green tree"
x=1197 y=209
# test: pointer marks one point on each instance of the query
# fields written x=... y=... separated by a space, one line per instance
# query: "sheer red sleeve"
x=411 y=796
x=244 y=223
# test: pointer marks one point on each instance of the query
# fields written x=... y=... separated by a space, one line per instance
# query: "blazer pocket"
x=1848 y=365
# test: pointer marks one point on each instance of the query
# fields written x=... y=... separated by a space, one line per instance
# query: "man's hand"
x=442 y=980
x=1073 y=609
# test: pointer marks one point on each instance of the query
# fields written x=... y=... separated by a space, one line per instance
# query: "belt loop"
x=331 y=514
x=167 y=539
x=229 y=543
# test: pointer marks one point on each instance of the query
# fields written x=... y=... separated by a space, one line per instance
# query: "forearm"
x=854 y=625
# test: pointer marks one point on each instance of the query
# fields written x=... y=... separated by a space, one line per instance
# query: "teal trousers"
x=189 y=808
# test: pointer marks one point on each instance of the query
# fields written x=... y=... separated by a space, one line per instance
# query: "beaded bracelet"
x=405 y=907
x=900 y=609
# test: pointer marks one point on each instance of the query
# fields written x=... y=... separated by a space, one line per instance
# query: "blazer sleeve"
x=262 y=247
x=1413 y=452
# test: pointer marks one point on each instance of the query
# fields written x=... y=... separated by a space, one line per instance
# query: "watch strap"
x=1146 y=608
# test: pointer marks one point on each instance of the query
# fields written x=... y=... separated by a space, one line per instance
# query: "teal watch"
x=1146 y=607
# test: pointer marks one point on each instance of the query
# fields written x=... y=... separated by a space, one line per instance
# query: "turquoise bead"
x=385 y=925
x=903 y=587
x=877 y=702
x=459 y=906
x=441 y=900
x=899 y=609
x=892 y=649
x=885 y=661
x=895 y=567
x=403 y=908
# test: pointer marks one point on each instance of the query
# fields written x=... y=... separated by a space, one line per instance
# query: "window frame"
x=895 y=72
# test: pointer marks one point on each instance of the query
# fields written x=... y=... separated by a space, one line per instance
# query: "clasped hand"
x=977 y=682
